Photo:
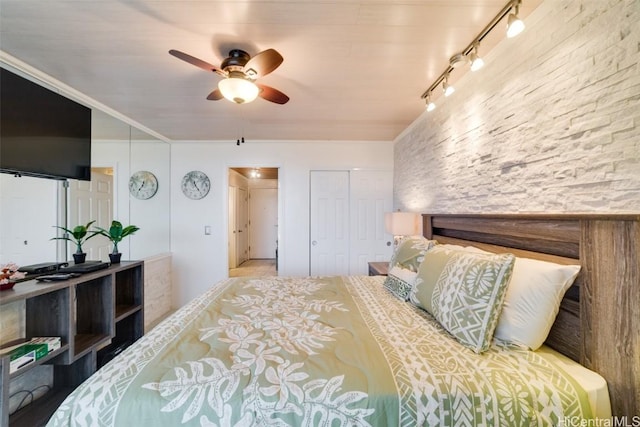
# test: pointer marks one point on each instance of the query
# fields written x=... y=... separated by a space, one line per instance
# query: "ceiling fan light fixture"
x=238 y=90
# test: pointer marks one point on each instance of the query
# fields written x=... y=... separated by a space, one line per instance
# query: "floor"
x=255 y=268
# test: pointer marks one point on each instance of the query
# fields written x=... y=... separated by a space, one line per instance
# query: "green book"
x=26 y=354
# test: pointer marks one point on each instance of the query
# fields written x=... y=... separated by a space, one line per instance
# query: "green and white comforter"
x=329 y=351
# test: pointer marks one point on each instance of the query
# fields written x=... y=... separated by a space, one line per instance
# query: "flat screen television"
x=42 y=133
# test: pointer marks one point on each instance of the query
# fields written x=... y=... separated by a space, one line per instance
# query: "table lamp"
x=401 y=224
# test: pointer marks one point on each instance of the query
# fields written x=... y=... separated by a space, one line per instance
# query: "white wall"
x=200 y=260
x=550 y=124
x=152 y=215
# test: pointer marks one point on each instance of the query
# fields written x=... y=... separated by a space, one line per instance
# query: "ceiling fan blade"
x=271 y=94
x=195 y=61
x=215 y=95
x=263 y=63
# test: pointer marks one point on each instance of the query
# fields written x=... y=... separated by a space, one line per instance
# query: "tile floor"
x=255 y=268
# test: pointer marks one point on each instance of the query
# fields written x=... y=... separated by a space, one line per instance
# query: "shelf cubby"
x=92 y=314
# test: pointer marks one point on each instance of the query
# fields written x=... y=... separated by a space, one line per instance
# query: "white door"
x=263 y=222
x=232 y=228
x=88 y=201
x=371 y=196
x=242 y=232
x=329 y=223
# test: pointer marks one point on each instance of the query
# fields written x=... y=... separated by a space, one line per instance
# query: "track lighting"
x=430 y=105
x=476 y=61
x=470 y=53
x=446 y=87
x=514 y=23
x=458 y=60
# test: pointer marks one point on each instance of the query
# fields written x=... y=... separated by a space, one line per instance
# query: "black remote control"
x=56 y=277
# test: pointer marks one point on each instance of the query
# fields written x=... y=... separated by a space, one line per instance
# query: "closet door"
x=371 y=196
x=329 y=223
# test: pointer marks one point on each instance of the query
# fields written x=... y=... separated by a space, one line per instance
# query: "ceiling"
x=264 y=173
x=354 y=70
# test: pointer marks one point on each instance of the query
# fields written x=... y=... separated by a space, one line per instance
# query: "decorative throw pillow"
x=400 y=281
x=532 y=301
x=464 y=291
x=410 y=252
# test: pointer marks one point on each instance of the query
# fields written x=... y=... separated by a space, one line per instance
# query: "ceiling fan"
x=240 y=72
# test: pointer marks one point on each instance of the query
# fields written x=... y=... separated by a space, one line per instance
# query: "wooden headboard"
x=599 y=320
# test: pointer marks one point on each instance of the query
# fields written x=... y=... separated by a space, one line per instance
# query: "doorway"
x=253 y=221
x=92 y=200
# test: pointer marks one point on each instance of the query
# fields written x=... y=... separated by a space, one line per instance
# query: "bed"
x=348 y=351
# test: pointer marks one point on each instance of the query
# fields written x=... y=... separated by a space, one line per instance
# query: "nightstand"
x=379 y=268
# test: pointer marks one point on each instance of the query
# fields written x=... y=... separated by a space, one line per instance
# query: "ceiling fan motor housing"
x=236 y=58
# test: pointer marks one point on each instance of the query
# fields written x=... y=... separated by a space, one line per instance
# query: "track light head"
x=514 y=23
x=476 y=61
x=430 y=105
x=447 y=88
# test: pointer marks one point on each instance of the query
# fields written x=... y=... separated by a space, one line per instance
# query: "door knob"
x=388 y=243
x=314 y=243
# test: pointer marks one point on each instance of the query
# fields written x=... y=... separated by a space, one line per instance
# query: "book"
x=53 y=343
x=25 y=354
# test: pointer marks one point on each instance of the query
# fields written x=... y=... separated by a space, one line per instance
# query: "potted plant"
x=78 y=236
x=116 y=233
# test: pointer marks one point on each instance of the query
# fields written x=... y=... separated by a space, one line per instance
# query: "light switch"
x=207 y=230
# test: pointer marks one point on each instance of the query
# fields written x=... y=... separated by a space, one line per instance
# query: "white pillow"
x=533 y=300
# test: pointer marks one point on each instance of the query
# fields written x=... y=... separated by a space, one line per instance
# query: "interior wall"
x=200 y=260
x=551 y=123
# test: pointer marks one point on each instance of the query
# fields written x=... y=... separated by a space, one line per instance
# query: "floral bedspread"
x=316 y=351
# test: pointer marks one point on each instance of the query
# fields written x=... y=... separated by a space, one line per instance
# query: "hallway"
x=255 y=268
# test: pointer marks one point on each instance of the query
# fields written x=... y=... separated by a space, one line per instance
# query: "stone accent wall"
x=550 y=124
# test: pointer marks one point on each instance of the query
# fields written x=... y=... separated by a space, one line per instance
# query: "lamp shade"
x=402 y=223
x=238 y=90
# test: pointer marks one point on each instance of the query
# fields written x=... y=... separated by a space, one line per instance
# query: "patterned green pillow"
x=410 y=252
x=399 y=282
x=464 y=291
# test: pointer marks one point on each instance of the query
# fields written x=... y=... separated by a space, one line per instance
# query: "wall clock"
x=196 y=185
x=143 y=185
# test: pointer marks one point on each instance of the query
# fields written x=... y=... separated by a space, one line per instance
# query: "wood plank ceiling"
x=354 y=70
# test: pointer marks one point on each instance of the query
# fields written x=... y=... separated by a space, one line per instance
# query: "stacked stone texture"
x=550 y=124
